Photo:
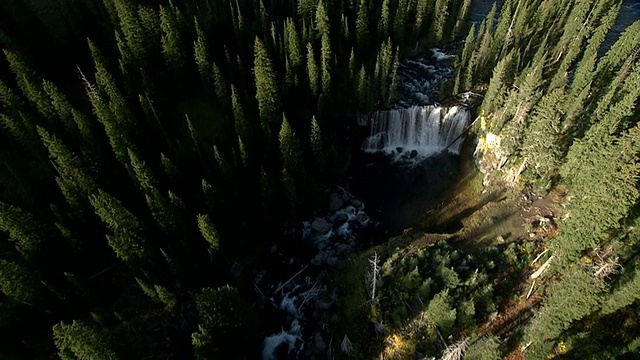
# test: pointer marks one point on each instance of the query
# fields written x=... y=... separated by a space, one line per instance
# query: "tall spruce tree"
x=267 y=92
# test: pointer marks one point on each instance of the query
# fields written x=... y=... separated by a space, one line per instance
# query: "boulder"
x=362 y=218
x=332 y=261
x=321 y=225
x=342 y=248
x=335 y=202
x=341 y=218
x=357 y=203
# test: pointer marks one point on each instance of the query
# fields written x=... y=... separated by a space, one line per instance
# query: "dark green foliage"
x=266 y=91
x=82 y=341
x=483 y=348
x=177 y=92
x=222 y=322
x=126 y=230
x=23 y=229
x=20 y=282
x=440 y=311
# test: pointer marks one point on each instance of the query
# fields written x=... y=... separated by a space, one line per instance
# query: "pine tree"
x=325 y=66
x=542 y=144
x=240 y=120
x=399 y=21
x=317 y=147
x=82 y=341
x=23 y=229
x=576 y=295
x=362 y=26
x=30 y=84
x=322 y=19
x=201 y=53
x=208 y=231
x=220 y=84
x=602 y=171
x=306 y=9
x=74 y=181
x=222 y=318
x=495 y=96
x=292 y=43
x=126 y=230
x=626 y=289
x=133 y=31
x=61 y=106
x=290 y=149
x=440 y=312
x=267 y=92
x=312 y=70
x=462 y=81
x=172 y=47
x=20 y=282
x=383 y=23
x=441 y=13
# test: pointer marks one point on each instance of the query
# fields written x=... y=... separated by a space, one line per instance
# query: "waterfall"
x=419 y=130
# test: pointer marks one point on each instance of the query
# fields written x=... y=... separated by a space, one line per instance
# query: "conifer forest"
x=265 y=179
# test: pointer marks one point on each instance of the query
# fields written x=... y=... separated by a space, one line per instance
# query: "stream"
x=409 y=157
x=408 y=161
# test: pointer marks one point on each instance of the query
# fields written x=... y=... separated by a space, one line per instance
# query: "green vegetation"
x=153 y=151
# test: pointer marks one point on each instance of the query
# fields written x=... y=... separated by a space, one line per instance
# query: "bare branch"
x=542 y=268
x=455 y=351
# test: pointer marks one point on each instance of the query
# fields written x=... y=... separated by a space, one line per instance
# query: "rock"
x=335 y=202
x=322 y=305
x=362 y=218
x=341 y=218
x=321 y=346
x=322 y=245
x=356 y=203
x=399 y=150
x=500 y=239
x=332 y=261
x=321 y=225
x=273 y=250
x=342 y=248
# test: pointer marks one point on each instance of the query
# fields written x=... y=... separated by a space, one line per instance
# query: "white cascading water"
x=424 y=129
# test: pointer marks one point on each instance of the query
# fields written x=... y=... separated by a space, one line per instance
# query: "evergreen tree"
x=30 y=84
x=495 y=96
x=325 y=66
x=292 y=43
x=82 y=341
x=74 y=180
x=464 y=82
x=542 y=144
x=439 y=20
x=383 y=23
x=201 y=52
x=312 y=71
x=126 y=230
x=172 y=47
x=240 y=120
x=267 y=92
x=362 y=26
x=222 y=320
x=133 y=31
x=20 y=282
x=322 y=19
x=626 y=288
x=208 y=231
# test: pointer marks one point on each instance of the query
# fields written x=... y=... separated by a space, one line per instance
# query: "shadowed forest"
x=156 y=156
